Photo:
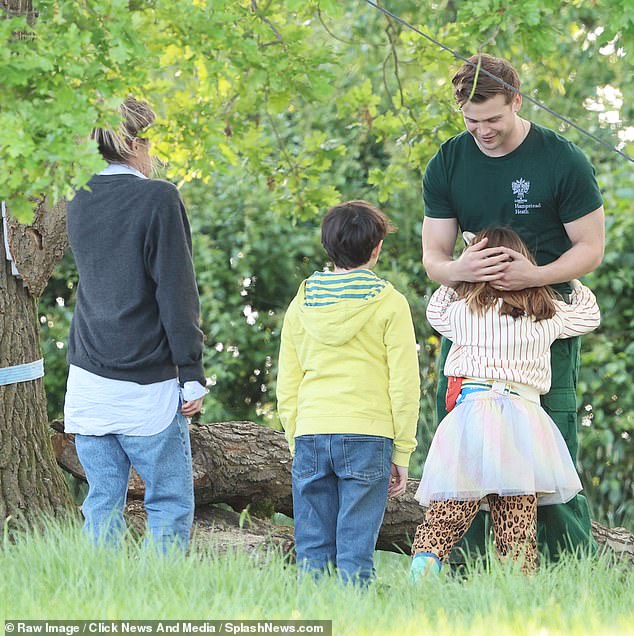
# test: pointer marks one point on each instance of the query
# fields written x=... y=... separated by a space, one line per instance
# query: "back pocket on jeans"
x=367 y=457
x=305 y=459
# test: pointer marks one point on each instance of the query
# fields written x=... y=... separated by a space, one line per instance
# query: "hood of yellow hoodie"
x=336 y=324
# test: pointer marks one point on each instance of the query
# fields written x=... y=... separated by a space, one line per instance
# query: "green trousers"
x=561 y=527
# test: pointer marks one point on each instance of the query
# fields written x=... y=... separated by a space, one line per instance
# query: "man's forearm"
x=441 y=269
x=587 y=236
x=579 y=260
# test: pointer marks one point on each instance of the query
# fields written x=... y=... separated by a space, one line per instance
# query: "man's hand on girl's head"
x=479 y=263
x=519 y=273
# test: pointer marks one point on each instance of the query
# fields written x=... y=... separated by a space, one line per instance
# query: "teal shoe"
x=424 y=564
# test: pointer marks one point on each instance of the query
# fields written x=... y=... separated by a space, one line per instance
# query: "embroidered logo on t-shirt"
x=520 y=189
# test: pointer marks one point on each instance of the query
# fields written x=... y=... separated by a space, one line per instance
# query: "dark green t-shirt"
x=545 y=182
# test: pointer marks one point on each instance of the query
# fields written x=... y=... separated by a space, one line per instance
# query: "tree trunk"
x=31 y=483
x=243 y=464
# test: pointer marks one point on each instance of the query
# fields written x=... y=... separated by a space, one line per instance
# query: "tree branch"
x=330 y=33
x=279 y=39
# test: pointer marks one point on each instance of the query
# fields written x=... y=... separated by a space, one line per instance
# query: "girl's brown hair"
x=538 y=302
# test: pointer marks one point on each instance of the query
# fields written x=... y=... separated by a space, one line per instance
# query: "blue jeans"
x=164 y=462
x=340 y=484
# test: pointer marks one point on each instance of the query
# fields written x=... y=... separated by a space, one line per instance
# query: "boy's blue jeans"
x=340 y=484
x=163 y=461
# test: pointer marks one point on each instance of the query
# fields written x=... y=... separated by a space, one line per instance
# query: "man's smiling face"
x=494 y=124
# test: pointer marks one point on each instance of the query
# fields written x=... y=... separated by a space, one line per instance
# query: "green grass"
x=58 y=575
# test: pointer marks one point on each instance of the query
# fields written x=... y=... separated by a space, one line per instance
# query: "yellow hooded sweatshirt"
x=350 y=367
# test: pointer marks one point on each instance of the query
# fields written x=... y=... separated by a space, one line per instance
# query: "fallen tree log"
x=225 y=530
x=238 y=463
x=246 y=465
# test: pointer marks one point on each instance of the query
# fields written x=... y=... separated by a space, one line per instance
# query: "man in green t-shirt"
x=505 y=171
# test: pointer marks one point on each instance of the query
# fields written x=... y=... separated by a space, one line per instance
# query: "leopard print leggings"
x=514 y=527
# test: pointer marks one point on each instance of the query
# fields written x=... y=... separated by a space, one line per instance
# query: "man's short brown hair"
x=350 y=231
x=486 y=87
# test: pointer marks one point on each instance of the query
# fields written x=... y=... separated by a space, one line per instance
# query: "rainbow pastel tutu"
x=498 y=444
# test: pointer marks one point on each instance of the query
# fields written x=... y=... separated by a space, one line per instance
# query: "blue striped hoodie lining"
x=328 y=288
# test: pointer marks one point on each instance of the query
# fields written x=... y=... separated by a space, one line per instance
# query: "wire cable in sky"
x=500 y=81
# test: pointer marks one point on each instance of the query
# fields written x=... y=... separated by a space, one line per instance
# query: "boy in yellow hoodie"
x=348 y=393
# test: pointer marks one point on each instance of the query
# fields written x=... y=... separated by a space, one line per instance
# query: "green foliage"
x=55 y=314
x=249 y=263
x=607 y=408
x=213 y=70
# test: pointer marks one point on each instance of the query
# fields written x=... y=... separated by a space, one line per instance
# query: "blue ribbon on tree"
x=22 y=372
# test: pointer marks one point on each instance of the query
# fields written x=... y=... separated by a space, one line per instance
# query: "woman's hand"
x=192 y=407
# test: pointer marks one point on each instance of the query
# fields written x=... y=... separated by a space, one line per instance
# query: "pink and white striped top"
x=496 y=347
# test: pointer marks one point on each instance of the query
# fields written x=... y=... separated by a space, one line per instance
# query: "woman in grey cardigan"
x=135 y=346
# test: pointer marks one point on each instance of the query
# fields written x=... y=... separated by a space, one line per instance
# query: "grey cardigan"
x=137 y=311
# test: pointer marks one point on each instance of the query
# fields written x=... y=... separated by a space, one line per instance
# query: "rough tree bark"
x=238 y=463
x=31 y=483
x=241 y=463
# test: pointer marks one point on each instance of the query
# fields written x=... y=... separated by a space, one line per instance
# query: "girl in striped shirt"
x=498 y=448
